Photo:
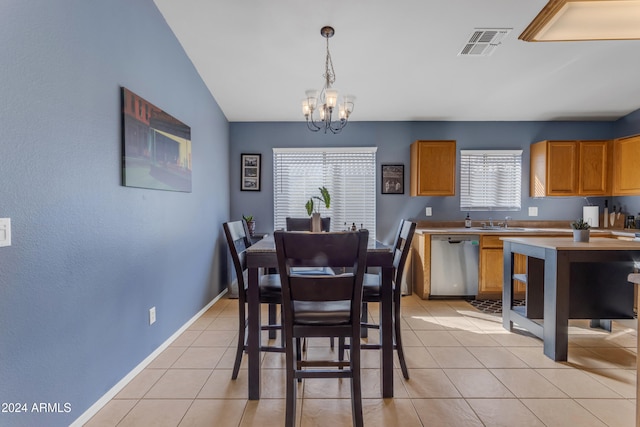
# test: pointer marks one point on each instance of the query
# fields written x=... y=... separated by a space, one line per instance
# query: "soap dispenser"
x=467 y=221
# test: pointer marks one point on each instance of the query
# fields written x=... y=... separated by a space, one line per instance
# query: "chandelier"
x=318 y=106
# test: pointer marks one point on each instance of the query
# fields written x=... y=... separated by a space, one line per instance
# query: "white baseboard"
x=99 y=404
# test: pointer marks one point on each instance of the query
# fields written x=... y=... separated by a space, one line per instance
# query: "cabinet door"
x=594 y=172
x=562 y=171
x=626 y=173
x=490 y=271
x=492 y=274
x=433 y=166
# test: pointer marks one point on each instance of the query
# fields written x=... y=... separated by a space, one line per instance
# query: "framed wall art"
x=156 y=147
x=250 y=172
x=392 y=179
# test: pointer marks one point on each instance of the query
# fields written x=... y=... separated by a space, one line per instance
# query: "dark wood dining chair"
x=238 y=241
x=371 y=291
x=321 y=306
x=304 y=224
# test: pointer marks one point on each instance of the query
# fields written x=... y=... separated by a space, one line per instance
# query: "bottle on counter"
x=606 y=214
x=467 y=221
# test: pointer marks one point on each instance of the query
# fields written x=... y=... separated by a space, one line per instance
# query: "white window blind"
x=490 y=180
x=348 y=173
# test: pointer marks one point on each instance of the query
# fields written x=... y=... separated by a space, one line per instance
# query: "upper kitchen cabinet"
x=433 y=168
x=570 y=168
x=594 y=160
x=626 y=174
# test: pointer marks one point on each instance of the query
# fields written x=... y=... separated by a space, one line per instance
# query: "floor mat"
x=492 y=306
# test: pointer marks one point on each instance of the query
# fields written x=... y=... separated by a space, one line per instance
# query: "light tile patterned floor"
x=466 y=370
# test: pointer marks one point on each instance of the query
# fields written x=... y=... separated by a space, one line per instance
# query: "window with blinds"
x=348 y=173
x=490 y=180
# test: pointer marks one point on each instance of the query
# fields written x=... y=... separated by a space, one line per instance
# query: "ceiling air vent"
x=483 y=41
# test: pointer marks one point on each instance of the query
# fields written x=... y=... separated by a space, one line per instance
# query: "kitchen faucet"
x=506 y=221
x=490 y=222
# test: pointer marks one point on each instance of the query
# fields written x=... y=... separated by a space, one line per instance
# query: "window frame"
x=345 y=183
x=507 y=188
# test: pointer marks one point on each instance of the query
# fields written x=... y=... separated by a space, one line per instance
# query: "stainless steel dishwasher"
x=454 y=265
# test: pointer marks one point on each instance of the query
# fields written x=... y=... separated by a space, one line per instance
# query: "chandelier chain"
x=329 y=73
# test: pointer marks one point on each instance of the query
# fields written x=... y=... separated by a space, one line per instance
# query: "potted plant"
x=312 y=208
x=251 y=224
x=580 y=230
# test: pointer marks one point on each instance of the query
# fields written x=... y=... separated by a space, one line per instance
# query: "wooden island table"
x=568 y=280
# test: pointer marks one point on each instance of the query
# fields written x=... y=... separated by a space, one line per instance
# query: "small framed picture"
x=250 y=172
x=392 y=179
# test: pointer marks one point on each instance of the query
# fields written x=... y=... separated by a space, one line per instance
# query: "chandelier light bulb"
x=349 y=100
x=312 y=98
x=331 y=97
x=305 y=107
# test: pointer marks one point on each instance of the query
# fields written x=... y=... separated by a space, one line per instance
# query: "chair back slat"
x=320 y=249
x=322 y=288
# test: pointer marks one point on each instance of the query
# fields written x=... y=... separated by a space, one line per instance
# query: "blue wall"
x=89 y=256
x=393 y=140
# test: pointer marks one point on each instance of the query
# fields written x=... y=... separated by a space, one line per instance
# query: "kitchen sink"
x=496 y=228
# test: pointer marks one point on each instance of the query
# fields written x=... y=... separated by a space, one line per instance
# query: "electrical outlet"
x=427 y=211
x=5 y=231
x=533 y=211
x=152 y=315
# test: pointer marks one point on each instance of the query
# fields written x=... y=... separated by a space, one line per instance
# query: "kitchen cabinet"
x=490 y=278
x=626 y=173
x=420 y=264
x=570 y=168
x=594 y=168
x=433 y=168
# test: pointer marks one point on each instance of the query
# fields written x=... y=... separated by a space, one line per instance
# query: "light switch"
x=5 y=231
x=533 y=211
x=427 y=211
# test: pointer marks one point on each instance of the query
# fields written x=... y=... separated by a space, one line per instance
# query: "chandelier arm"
x=342 y=125
x=311 y=124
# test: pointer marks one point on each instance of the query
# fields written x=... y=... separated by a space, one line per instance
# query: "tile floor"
x=466 y=370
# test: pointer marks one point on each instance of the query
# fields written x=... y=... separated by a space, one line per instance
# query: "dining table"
x=262 y=255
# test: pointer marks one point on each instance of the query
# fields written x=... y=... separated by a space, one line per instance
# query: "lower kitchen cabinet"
x=491 y=276
x=420 y=264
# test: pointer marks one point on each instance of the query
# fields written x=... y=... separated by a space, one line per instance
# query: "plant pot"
x=316 y=223
x=581 y=235
x=251 y=225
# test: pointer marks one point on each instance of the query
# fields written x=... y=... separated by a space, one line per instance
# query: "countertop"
x=600 y=232
x=561 y=243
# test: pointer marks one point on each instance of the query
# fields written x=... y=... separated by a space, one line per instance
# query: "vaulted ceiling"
x=401 y=60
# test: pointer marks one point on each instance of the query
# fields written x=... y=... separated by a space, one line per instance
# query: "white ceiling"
x=400 y=59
